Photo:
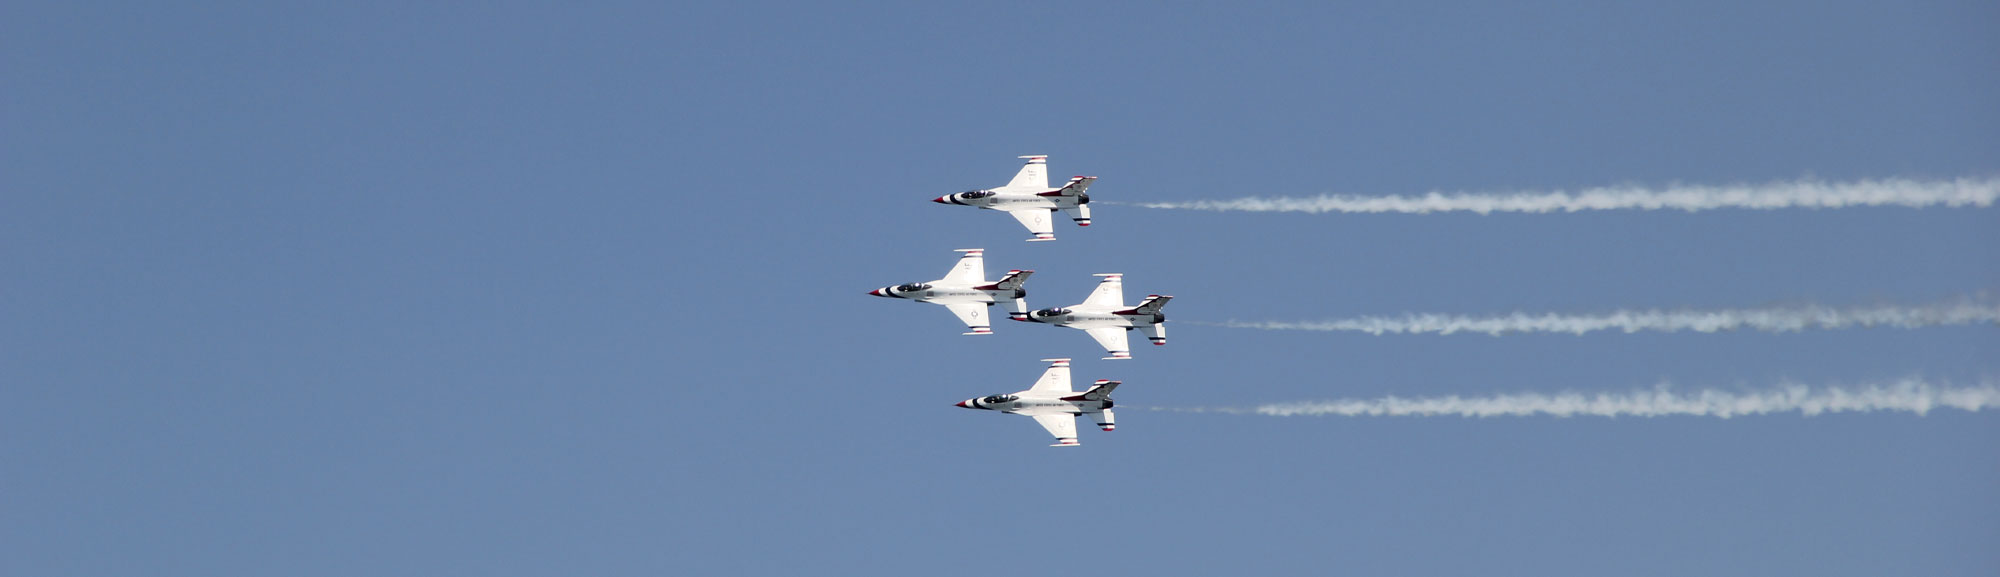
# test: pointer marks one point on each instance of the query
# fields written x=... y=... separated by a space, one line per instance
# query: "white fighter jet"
x=1105 y=317
x=1030 y=199
x=965 y=291
x=1053 y=404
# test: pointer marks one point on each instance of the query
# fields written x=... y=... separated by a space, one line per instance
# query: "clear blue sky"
x=395 y=289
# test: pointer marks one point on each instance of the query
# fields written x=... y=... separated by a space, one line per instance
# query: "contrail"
x=1776 y=320
x=1796 y=194
x=1908 y=395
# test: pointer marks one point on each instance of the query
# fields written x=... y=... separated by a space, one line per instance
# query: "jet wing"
x=1113 y=341
x=1110 y=293
x=1040 y=221
x=969 y=270
x=974 y=317
x=1033 y=176
x=1054 y=380
x=1062 y=425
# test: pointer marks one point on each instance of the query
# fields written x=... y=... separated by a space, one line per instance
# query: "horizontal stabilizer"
x=1076 y=187
x=1152 y=305
x=1013 y=280
x=1079 y=214
x=1098 y=392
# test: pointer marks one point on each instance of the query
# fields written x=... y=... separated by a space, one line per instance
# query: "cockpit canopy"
x=1049 y=312
x=971 y=194
x=912 y=287
x=997 y=399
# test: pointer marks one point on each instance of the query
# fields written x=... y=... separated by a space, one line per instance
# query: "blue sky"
x=526 y=290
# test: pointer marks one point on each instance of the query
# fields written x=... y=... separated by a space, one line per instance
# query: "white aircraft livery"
x=1030 y=199
x=1053 y=405
x=965 y=291
x=1105 y=317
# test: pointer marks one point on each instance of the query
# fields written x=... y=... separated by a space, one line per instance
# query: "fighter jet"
x=1105 y=317
x=1031 y=201
x=1053 y=404
x=965 y=291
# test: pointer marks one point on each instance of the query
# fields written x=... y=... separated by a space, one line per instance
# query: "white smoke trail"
x=1908 y=395
x=1776 y=320
x=1796 y=194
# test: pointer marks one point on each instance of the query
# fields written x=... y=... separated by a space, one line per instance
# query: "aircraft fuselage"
x=1090 y=319
x=945 y=295
x=1010 y=201
x=1027 y=402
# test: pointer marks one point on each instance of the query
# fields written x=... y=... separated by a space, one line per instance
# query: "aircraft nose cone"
x=942 y=200
x=876 y=292
x=964 y=404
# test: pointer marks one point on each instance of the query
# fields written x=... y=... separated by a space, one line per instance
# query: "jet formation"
x=965 y=291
